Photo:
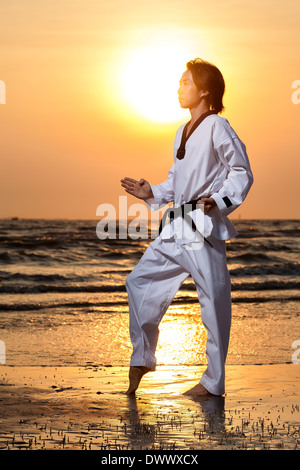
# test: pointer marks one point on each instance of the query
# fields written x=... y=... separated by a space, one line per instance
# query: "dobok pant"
x=151 y=287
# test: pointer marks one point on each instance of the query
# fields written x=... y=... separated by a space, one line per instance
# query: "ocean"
x=63 y=299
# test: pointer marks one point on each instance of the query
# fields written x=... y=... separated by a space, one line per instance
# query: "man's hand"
x=208 y=202
x=140 y=189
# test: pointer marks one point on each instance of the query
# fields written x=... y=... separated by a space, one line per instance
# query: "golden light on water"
x=182 y=337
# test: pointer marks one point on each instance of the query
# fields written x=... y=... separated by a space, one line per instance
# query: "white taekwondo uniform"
x=215 y=164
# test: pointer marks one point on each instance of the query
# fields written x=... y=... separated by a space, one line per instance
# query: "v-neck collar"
x=181 y=151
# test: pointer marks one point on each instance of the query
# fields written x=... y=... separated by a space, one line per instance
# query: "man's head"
x=206 y=82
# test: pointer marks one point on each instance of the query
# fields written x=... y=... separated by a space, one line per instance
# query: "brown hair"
x=208 y=77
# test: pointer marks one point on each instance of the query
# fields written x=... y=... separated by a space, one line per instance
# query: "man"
x=210 y=167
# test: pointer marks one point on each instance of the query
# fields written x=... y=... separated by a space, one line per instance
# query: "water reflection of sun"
x=182 y=337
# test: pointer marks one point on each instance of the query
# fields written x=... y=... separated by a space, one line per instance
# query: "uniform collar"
x=181 y=151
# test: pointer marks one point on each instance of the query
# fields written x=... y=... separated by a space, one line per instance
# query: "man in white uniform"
x=210 y=167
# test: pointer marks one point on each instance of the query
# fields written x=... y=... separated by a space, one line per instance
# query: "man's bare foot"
x=198 y=391
x=135 y=375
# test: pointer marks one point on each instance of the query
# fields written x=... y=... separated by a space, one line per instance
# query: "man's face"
x=188 y=93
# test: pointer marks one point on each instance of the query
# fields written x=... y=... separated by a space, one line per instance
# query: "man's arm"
x=140 y=189
x=155 y=196
x=232 y=154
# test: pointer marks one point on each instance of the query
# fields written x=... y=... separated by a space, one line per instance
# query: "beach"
x=85 y=408
x=65 y=346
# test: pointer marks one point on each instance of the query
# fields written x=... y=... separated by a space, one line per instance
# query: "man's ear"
x=203 y=93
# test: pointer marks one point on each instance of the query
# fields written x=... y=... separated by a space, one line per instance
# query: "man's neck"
x=198 y=111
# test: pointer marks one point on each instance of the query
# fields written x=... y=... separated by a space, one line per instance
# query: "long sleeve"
x=163 y=193
x=232 y=154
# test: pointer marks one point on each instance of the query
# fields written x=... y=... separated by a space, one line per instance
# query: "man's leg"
x=210 y=273
x=151 y=287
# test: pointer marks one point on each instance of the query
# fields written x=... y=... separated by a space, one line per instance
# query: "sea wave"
x=111 y=288
x=61 y=307
x=278 y=269
x=250 y=257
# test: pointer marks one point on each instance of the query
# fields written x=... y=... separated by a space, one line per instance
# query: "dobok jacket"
x=215 y=165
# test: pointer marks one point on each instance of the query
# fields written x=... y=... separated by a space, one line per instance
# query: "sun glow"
x=151 y=79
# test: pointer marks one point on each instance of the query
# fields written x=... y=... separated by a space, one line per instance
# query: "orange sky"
x=68 y=132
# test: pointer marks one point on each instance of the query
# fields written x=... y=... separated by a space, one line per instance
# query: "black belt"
x=175 y=212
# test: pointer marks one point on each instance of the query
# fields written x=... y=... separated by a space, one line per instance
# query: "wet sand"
x=82 y=408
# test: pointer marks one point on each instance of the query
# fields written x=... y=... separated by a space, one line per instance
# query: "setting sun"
x=151 y=79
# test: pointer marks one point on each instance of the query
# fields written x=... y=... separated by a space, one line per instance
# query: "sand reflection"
x=168 y=424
